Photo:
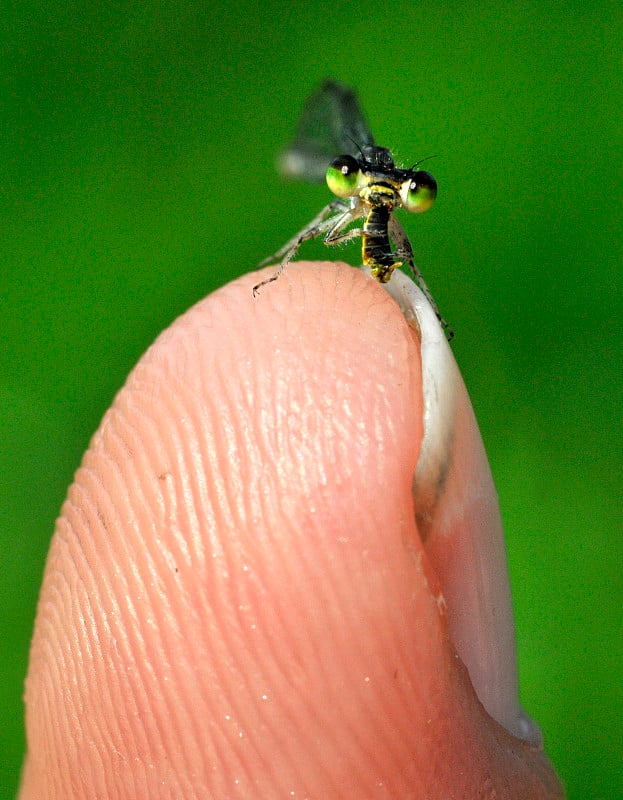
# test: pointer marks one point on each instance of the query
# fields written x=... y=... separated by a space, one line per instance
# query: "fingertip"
x=181 y=568
x=237 y=601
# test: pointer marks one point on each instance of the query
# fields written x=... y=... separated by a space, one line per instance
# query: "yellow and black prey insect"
x=333 y=143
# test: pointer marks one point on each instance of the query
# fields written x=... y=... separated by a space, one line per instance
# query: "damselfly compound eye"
x=343 y=176
x=419 y=192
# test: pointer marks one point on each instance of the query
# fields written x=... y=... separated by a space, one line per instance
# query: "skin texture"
x=237 y=602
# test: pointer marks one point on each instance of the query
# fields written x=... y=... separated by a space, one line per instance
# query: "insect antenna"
x=358 y=146
x=422 y=160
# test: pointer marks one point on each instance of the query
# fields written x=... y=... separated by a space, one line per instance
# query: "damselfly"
x=333 y=143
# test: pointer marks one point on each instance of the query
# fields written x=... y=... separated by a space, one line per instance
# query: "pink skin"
x=237 y=601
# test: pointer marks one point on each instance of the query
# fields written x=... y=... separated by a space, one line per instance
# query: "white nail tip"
x=440 y=379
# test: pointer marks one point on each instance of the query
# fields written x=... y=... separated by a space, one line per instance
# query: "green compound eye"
x=419 y=192
x=343 y=176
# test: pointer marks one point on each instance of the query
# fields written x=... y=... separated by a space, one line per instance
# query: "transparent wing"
x=332 y=124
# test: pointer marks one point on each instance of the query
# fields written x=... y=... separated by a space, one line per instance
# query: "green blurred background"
x=136 y=176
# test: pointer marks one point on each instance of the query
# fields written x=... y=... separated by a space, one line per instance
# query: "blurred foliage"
x=137 y=152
